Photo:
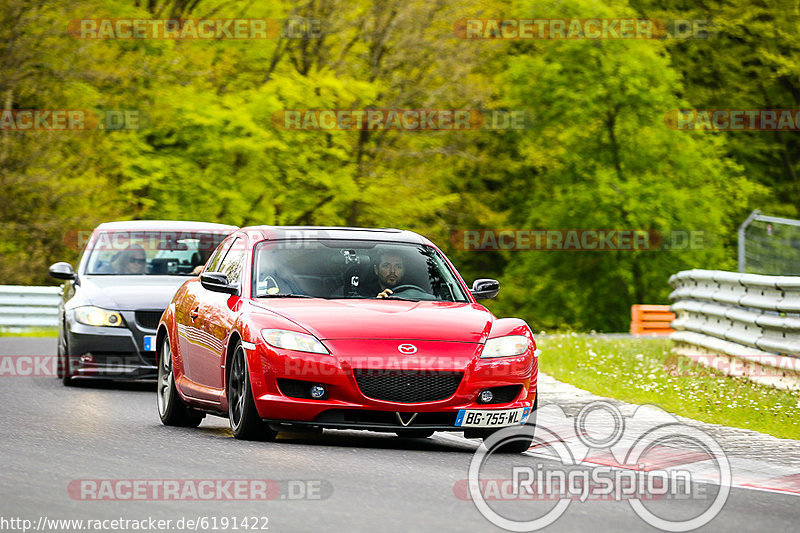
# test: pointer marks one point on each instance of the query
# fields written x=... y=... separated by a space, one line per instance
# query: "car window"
x=231 y=266
x=171 y=253
x=328 y=268
x=218 y=255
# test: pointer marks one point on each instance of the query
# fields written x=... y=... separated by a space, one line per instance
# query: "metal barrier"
x=25 y=307
x=746 y=317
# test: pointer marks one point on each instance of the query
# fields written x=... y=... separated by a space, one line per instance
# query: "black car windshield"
x=353 y=269
x=139 y=253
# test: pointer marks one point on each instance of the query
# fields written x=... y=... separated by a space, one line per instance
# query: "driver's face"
x=390 y=270
x=134 y=263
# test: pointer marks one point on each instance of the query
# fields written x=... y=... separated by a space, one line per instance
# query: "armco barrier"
x=24 y=307
x=651 y=319
x=746 y=318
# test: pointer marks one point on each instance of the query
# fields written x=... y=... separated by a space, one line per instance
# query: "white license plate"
x=149 y=343
x=470 y=418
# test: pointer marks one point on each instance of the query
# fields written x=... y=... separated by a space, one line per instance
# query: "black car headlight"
x=94 y=316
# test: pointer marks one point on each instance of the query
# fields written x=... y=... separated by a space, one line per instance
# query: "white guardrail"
x=26 y=307
x=748 y=323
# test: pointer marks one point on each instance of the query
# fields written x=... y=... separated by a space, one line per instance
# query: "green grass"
x=643 y=370
x=29 y=332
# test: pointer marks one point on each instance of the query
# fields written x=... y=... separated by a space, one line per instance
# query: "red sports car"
x=342 y=328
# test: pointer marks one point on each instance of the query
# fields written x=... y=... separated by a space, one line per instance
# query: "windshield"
x=155 y=253
x=353 y=269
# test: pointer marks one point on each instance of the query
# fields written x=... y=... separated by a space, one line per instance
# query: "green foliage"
x=596 y=154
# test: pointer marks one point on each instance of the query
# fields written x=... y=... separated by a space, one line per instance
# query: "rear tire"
x=245 y=422
x=171 y=409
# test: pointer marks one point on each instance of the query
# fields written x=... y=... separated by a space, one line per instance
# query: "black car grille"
x=148 y=319
x=407 y=386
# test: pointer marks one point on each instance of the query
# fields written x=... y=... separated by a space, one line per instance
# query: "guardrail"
x=25 y=307
x=749 y=318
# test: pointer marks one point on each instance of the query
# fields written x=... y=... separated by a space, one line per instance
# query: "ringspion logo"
x=599 y=455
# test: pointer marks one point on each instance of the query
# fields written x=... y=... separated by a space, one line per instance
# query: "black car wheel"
x=171 y=409
x=517 y=443
x=64 y=369
x=244 y=419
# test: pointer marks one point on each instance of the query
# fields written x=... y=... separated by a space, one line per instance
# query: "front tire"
x=171 y=409
x=245 y=422
x=517 y=444
x=64 y=369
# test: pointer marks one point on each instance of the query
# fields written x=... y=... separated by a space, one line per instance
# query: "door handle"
x=195 y=313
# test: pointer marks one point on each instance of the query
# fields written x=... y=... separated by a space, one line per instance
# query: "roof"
x=163 y=225
x=339 y=233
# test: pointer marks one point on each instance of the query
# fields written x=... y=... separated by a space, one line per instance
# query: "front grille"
x=358 y=417
x=407 y=386
x=148 y=319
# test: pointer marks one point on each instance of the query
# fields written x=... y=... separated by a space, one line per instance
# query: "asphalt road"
x=53 y=435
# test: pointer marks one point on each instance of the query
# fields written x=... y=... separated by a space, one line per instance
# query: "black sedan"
x=127 y=276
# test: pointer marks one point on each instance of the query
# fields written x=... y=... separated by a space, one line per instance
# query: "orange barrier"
x=651 y=319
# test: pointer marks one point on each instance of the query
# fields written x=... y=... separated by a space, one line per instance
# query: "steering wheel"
x=401 y=288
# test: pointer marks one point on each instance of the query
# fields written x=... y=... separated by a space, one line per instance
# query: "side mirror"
x=483 y=289
x=62 y=270
x=216 y=282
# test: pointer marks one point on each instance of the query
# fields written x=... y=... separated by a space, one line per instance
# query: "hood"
x=129 y=293
x=386 y=319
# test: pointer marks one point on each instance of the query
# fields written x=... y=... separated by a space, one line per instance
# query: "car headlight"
x=291 y=340
x=505 y=346
x=94 y=316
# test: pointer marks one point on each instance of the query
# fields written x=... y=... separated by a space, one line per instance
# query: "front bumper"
x=346 y=406
x=104 y=352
